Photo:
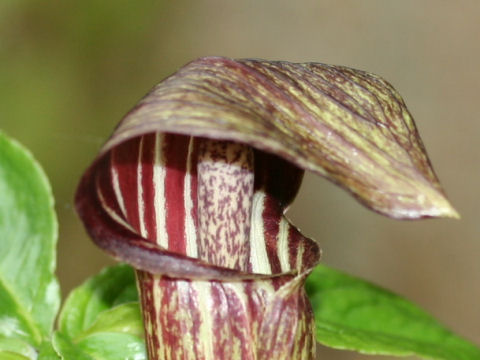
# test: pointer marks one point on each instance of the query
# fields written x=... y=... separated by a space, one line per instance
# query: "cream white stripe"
x=190 y=230
x=282 y=244
x=157 y=295
x=110 y=211
x=185 y=318
x=140 y=202
x=159 y=173
x=258 y=251
x=300 y=251
x=117 y=191
x=204 y=297
x=238 y=288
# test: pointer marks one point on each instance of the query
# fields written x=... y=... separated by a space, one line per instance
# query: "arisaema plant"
x=193 y=185
x=191 y=190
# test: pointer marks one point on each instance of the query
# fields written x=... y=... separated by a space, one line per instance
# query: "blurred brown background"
x=69 y=70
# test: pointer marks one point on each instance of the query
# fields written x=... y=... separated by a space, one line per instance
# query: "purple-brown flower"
x=192 y=187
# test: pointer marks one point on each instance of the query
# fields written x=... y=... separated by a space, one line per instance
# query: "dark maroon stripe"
x=169 y=308
x=230 y=317
x=195 y=314
x=176 y=152
x=240 y=323
x=125 y=160
x=148 y=186
x=281 y=324
x=103 y=180
x=271 y=225
x=147 y=285
x=222 y=345
x=311 y=253
x=294 y=240
x=305 y=342
x=194 y=183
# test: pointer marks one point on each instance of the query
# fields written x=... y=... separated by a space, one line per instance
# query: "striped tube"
x=219 y=204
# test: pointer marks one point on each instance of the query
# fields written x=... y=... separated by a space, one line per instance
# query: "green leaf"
x=15 y=347
x=67 y=348
x=7 y=355
x=47 y=352
x=355 y=315
x=125 y=318
x=101 y=319
x=112 y=286
x=101 y=346
x=113 y=346
x=29 y=291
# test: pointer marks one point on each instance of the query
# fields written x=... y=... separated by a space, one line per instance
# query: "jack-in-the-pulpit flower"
x=192 y=187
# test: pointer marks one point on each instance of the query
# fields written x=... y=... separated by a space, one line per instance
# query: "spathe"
x=192 y=187
x=347 y=125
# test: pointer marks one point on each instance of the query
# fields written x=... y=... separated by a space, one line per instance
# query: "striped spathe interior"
x=221 y=204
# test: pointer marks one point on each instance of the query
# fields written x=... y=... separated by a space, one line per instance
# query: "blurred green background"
x=69 y=70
